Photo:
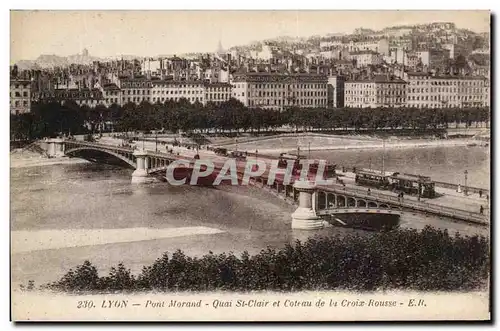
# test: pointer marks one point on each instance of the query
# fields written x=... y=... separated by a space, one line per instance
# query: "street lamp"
x=156 y=141
x=383 y=156
x=465 y=188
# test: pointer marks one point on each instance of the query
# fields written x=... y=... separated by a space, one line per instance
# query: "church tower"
x=220 y=49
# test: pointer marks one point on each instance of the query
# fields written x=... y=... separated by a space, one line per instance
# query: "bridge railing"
x=104 y=146
x=420 y=206
x=455 y=187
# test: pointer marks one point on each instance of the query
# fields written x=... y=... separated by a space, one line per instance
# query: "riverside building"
x=193 y=91
x=279 y=91
x=379 y=91
x=446 y=91
x=20 y=96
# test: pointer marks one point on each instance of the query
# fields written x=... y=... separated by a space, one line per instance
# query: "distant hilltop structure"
x=220 y=50
x=52 y=60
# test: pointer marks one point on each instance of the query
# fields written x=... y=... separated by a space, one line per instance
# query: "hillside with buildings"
x=435 y=65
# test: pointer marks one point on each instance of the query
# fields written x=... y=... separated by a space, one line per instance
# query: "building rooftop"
x=77 y=90
x=22 y=81
x=135 y=79
x=362 y=52
x=422 y=74
x=110 y=87
x=177 y=82
x=344 y=62
x=379 y=79
x=446 y=76
x=278 y=77
x=265 y=73
x=217 y=84
x=466 y=77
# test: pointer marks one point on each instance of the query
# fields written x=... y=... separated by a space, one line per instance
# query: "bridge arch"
x=106 y=151
x=372 y=204
x=351 y=202
x=331 y=200
x=361 y=203
x=341 y=201
x=322 y=200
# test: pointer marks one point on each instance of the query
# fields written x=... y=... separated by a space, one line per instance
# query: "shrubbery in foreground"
x=427 y=260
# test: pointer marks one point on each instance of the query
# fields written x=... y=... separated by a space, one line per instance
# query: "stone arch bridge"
x=317 y=200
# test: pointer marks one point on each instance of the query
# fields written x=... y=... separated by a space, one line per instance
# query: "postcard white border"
x=258 y=4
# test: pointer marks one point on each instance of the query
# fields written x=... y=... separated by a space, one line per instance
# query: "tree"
x=21 y=126
x=461 y=62
x=14 y=72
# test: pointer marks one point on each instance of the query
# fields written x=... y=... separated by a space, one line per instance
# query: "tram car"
x=220 y=151
x=284 y=157
x=238 y=155
x=413 y=184
x=368 y=177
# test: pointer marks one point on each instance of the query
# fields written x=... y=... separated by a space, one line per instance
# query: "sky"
x=151 y=33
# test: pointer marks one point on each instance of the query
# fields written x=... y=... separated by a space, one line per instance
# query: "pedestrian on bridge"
x=480 y=193
x=481 y=210
x=369 y=191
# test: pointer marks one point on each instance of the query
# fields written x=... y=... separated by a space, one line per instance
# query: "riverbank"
x=96 y=207
x=23 y=159
x=280 y=145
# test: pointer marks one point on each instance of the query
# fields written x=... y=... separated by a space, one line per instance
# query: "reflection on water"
x=92 y=196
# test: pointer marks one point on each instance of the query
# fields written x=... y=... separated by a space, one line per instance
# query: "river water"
x=62 y=215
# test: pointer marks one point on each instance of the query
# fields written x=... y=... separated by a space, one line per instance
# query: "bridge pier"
x=140 y=175
x=55 y=147
x=305 y=217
